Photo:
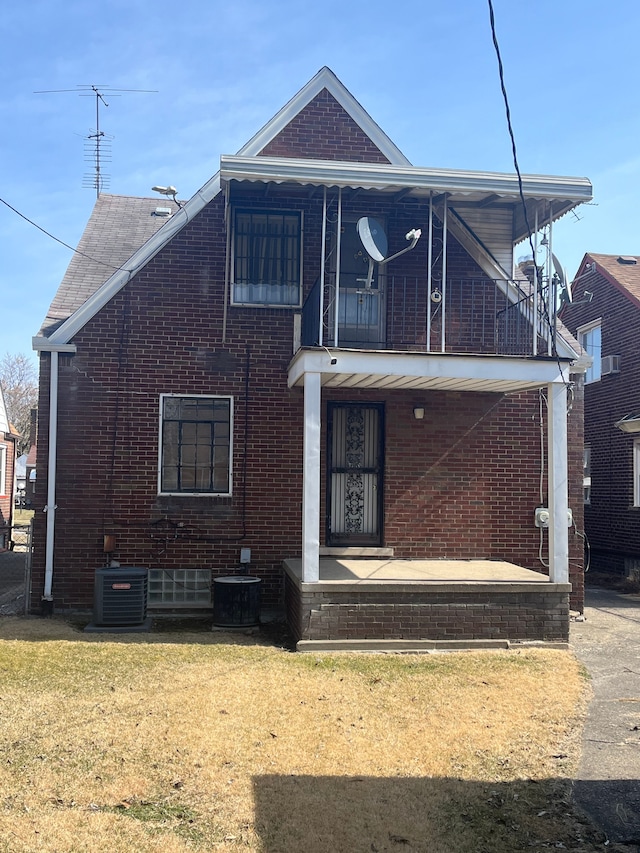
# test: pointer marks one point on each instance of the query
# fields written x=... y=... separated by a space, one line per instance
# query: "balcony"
x=464 y=316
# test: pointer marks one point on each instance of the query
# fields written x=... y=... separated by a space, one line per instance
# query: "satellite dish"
x=374 y=242
x=373 y=238
x=563 y=279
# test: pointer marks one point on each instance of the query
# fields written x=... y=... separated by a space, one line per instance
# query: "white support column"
x=558 y=484
x=311 y=480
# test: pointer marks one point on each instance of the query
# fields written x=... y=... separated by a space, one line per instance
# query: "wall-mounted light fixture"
x=418 y=412
x=630 y=423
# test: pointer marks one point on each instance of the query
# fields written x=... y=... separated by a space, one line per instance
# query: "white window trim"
x=232 y=259
x=3 y=471
x=597 y=360
x=586 y=474
x=227 y=494
x=636 y=472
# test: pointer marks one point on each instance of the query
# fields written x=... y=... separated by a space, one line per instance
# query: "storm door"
x=355 y=469
x=361 y=310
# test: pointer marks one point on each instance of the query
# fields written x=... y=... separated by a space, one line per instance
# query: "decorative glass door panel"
x=354 y=501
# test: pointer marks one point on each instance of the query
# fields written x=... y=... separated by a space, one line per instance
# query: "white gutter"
x=574 y=190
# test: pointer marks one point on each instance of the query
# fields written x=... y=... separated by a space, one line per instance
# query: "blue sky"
x=426 y=72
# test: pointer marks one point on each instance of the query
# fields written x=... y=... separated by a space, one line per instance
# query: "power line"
x=505 y=97
x=58 y=240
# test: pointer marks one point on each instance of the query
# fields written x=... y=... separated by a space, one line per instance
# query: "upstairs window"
x=4 y=490
x=195 y=445
x=590 y=339
x=267 y=258
x=636 y=472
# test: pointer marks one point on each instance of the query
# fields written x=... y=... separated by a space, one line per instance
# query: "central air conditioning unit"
x=609 y=364
x=120 y=600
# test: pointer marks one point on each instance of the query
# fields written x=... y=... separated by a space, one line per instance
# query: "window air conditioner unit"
x=610 y=364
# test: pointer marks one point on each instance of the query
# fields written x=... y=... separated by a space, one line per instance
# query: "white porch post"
x=311 y=480
x=558 y=487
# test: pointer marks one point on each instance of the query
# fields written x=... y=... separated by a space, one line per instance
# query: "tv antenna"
x=97 y=149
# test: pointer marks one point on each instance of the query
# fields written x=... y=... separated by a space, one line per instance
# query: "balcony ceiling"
x=419 y=371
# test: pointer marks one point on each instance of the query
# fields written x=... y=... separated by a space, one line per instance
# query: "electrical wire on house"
x=516 y=165
x=58 y=240
x=542 y=402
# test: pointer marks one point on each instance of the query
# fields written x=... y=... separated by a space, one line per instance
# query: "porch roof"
x=558 y=195
x=421 y=371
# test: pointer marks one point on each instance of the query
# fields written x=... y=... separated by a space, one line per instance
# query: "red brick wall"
x=612 y=522
x=324 y=131
x=462 y=483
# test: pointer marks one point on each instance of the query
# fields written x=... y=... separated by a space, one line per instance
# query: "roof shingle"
x=117 y=227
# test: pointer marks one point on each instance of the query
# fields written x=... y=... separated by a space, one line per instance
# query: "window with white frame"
x=195 y=445
x=4 y=486
x=586 y=474
x=636 y=472
x=590 y=339
x=266 y=258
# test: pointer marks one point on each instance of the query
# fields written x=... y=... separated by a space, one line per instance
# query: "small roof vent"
x=627 y=259
x=162 y=211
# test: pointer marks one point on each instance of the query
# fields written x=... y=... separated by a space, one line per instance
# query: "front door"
x=355 y=468
x=361 y=311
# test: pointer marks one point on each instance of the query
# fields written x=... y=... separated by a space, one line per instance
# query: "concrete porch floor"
x=344 y=570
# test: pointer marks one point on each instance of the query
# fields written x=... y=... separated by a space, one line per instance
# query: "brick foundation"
x=435 y=611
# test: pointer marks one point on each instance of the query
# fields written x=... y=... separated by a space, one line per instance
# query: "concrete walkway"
x=12 y=582
x=608 y=782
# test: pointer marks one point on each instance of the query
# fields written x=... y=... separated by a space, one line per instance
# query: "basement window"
x=179 y=588
x=195 y=445
x=266 y=258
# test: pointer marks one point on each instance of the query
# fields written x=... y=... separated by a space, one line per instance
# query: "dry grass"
x=201 y=742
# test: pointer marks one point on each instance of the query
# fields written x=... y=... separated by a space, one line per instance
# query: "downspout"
x=50 y=508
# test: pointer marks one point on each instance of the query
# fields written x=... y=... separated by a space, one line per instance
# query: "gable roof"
x=622 y=271
x=560 y=194
x=324 y=79
x=127 y=223
x=6 y=428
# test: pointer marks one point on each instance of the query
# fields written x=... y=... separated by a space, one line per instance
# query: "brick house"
x=376 y=434
x=8 y=445
x=605 y=316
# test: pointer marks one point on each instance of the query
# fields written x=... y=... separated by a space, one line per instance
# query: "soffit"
x=426 y=371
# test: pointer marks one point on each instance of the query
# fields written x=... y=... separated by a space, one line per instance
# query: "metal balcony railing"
x=470 y=316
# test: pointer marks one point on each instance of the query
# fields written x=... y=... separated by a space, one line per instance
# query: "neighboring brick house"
x=605 y=316
x=246 y=379
x=8 y=445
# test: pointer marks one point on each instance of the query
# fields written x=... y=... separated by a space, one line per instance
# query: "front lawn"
x=207 y=742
